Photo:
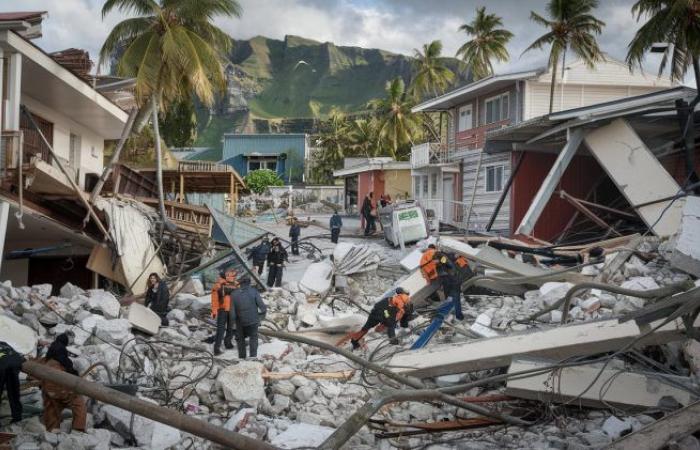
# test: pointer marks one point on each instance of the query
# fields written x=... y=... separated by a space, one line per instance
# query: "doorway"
x=448 y=183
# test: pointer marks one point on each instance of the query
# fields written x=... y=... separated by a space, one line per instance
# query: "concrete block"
x=20 y=337
x=579 y=386
x=116 y=331
x=302 y=435
x=148 y=433
x=317 y=278
x=686 y=244
x=104 y=302
x=243 y=382
x=143 y=319
x=557 y=343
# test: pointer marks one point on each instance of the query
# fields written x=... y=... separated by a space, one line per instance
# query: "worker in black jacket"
x=248 y=310
x=294 y=233
x=390 y=310
x=10 y=365
x=336 y=224
x=275 y=263
x=368 y=213
x=259 y=254
x=158 y=297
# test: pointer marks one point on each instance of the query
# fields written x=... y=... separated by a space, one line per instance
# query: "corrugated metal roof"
x=240 y=144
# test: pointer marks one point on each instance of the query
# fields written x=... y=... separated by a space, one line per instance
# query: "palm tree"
x=431 y=76
x=571 y=26
x=363 y=135
x=398 y=126
x=334 y=139
x=172 y=49
x=672 y=22
x=488 y=43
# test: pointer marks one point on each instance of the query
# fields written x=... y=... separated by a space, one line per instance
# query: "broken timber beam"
x=673 y=426
x=619 y=260
x=593 y=386
x=143 y=408
x=556 y=343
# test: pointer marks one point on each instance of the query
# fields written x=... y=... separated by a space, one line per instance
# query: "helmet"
x=400 y=290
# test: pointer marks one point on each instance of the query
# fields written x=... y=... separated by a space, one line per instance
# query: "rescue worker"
x=259 y=254
x=158 y=297
x=428 y=266
x=248 y=310
x=275 y=263
x=450 y=281
x=10 y=365
x=388 y=312
x=57 y=398
x=294 y=233
x=336 y=224
x=221 y=309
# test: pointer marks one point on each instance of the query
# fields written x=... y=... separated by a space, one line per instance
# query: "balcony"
x=428 y=153
x=475 y=138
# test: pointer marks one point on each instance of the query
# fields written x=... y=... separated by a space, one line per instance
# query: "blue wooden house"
x=283 y=153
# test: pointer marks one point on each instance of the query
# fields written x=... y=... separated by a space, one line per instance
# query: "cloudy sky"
x=395 y=25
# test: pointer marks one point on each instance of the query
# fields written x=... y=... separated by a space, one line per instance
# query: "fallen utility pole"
x=143 y=408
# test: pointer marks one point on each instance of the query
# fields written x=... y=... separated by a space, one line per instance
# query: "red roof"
x=21 y=15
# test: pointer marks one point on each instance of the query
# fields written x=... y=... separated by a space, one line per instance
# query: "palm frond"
x=138 y=7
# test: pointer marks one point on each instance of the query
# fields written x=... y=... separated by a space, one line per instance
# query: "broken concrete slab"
x=243 y=382
x=104 y=302
x=70 y=290
x=20 y=337
x=317 y=278
x=143 y=319
x=686 y=243
x=482 y=326
x=591 y=387
x=352 y=258
x=558 y=343
x=148 y=433
x=116 y=331
x=302 y=435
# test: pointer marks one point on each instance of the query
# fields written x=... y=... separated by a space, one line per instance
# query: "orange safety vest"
x=428 y=266
x=399 y=301
x=217 y=302
x=462 y=262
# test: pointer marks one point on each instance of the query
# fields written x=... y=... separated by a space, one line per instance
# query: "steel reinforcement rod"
x=143 y=408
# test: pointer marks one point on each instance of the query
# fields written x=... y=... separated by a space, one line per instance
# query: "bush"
x=258 y=180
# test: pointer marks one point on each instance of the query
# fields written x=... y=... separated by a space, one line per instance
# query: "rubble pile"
x=296 y=395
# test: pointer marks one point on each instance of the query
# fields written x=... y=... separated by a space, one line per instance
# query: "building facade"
x=381 y=176
x=463 y=184
x=285 y=154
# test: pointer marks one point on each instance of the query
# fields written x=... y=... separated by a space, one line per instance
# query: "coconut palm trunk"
x=554 y=83
x=159 y=162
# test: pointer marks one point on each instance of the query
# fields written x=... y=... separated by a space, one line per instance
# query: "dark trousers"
x=335 y=234
x=375 y=318
x=295 y=246
x=9 y=380
x=163 y=317
x=250 y=332
x=370 y=226
x=259 y=265
x=453 y=290
x=224 y=329
x=274 y=275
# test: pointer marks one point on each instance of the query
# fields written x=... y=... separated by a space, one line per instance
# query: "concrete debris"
x=349 y=259
x=686 y=243
x=116 y=331
x=317 y=278
x=143 y=319
x=243 y=382
x=596 y=386
x=103 y=302
x=148 y=433
x=20 y=337
x=302 y=435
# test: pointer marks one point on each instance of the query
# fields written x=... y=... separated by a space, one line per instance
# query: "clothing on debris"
x=10 y=365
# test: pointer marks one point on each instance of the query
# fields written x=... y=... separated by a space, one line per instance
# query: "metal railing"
x=454 y=213
x=202 y=166
x=428 y=153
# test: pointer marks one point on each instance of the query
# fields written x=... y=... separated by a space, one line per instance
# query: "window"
x=497 y=108
x=425 y=185
x=465 y=118
x=262 y=163
x=433 y=185
x=494 y=178
x=416 y=186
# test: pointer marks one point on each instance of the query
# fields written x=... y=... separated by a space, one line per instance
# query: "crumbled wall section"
x=686 y=248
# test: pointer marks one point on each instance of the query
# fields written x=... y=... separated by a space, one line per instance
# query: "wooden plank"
x=619 y=260
x=342 y=375
x=638 y=174
x=673 y=426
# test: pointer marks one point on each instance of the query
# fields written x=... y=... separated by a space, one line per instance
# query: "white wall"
x=63 y=126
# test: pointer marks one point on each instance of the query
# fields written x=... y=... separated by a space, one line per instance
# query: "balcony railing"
x=202 y=166
x=428 y=153
x=454 y=213
x=475 y=138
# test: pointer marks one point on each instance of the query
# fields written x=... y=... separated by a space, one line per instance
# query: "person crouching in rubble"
x=453 y=271
x=57 y=398
x=248 y=309
x=428 y=268
x=387 y=312
x=158 y=297
x=221 y=309
x=275 y=263
x=259 y=254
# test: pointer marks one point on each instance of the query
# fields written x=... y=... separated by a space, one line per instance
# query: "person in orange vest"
x=221 y=309
x=428 y=266
x=388 y=312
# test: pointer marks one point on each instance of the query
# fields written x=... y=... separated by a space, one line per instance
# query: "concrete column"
x=14 y=91
x=550 y=182
x=4 y=215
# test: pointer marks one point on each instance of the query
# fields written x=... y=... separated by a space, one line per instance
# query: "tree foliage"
x=399 y=128
x=179 y=124
x=431 y=75
x=259 y=180
x=488 y=43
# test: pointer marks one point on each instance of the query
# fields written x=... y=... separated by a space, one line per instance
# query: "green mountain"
x=283 y=85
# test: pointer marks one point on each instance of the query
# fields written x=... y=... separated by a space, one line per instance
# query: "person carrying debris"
x=336 y=225
x=248 y=311
x=259 y=254
x=221 y=309
x=368 y=213
x=387 y=312
x=57 y=398
x=10 y=365
x=158 y=297
x=294 y=233
x=275 y=263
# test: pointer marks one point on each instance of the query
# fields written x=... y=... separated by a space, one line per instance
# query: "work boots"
x=355 y=344
x=217 y=351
